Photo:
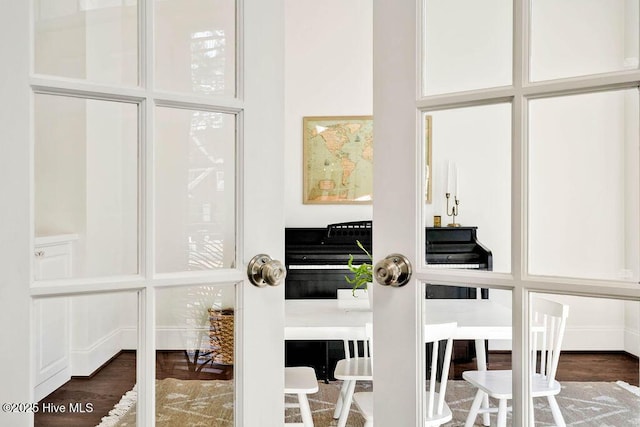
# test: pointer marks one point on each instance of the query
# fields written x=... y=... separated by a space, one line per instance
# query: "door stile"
x=260 y=385
x=146 y=356
x=145 y=363
x=397 y=400
x=16 y=142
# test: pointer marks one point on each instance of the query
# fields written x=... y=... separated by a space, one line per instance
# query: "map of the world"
x=338 y=159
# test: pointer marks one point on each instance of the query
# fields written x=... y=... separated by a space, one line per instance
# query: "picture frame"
x=428 y=174
x=337 y=159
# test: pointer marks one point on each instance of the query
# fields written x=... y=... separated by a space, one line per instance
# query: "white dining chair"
x=436 y=410
x=300 y=381
x=547 y=331
x=352 y=298
x=354 y=367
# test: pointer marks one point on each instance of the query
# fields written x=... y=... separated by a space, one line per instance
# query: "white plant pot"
x=360 y=299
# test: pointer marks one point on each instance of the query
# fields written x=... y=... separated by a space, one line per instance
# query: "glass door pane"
x=86 y=187
x=196 y=192
x=85 y=351
x=467 y=45
x=583 y=186
x=572 y=38
x=597 y=367
x=195 y=331
x=471 y=162
x=195 y=45
x=95 y=41
x=481 y=334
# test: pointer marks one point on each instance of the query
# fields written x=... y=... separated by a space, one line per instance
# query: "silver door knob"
x=394 y=270
x=263 y=270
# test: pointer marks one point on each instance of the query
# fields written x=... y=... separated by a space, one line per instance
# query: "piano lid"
x=458 y=247
x=330 y=245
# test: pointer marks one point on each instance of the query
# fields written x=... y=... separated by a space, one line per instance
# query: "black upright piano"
x=316 y=263
x=316 y=258
x=458 y=248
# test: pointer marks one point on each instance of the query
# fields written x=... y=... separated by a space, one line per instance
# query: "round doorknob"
x=394 y=270
x=263 y=270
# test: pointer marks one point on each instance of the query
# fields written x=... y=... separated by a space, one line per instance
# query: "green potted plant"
x=362 y=274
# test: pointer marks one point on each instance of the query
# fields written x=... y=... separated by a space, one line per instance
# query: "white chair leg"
x=346 y=404
x=532 y=420
x=343 y=392
x=481 y=364
x=485 y=405
x=555 y=411
x=473 y=411
x=502 y=413
x=305 y=410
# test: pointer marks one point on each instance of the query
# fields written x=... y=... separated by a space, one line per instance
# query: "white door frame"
x=16 y=225
x=260 y=218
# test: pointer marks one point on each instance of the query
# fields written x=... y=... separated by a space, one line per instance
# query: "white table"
x=332 y=319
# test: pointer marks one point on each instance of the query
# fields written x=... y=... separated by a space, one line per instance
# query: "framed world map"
x=338 y=159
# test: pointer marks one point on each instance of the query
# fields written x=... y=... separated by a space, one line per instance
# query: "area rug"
x=194 y=403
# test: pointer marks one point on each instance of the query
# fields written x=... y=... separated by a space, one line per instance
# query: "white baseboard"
x=129 y=338
x=51 y=384
x=168 y=338
x=86 y=360
x=584 y=339
x=632 y=342
x=182 y=338
x=593 y=339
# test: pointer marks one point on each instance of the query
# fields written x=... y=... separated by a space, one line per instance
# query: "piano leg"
x=326 y=362
x=481 y=362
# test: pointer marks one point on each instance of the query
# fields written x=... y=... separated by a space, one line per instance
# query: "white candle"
x=449 y=172
x=456 y=194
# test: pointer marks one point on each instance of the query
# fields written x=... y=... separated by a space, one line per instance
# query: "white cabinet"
x=53 y=259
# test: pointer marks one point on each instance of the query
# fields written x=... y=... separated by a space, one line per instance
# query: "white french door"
x=144 y=131
x=496 y=79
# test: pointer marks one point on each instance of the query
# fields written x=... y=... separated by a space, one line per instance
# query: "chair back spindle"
x=547 y=332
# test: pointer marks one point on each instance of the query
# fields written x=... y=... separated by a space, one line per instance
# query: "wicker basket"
x=221 y=333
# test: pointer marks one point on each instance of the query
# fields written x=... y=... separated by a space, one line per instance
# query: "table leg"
x=326 y=362
x=481 y=362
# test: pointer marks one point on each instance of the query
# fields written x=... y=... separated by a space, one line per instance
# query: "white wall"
x=98 y=330
x=328 y=72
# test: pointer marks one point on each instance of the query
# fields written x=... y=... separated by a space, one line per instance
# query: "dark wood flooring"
x=574 y=366
x=105 y=388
